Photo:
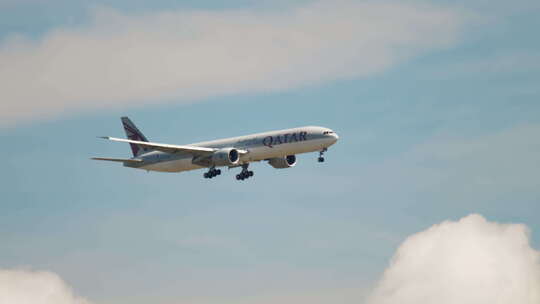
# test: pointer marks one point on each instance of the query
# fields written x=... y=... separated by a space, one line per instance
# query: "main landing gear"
x=245 y=174
x=212 y=173
x=321 y=153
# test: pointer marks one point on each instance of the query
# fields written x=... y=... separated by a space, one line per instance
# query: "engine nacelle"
x=283 y=162
x=226 y=157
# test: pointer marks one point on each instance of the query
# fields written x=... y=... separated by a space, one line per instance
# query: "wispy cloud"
x=183 y=56
x=454 y=169
x=468 y=261
x=30 y=287
x=491 y=164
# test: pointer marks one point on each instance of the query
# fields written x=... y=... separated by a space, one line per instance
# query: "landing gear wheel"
x=245 y=174
x=212 y=173
x=321 y=153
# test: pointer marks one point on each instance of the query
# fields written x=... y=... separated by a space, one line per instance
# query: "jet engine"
x=283 y=162
x=225 y=157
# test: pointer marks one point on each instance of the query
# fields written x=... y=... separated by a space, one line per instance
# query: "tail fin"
x=134 y=134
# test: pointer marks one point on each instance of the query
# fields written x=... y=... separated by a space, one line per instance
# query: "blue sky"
x=444 y=126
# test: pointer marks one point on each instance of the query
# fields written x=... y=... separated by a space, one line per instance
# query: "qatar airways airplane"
x=277 y=147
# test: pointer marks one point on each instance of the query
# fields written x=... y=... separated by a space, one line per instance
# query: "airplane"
x=279 y=148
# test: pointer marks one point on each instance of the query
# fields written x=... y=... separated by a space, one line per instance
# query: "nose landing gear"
x=212 y=173
x=245 y=174
x=321 y=153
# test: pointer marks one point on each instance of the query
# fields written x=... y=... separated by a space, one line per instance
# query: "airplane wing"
x=121 y=160
x=166 y=147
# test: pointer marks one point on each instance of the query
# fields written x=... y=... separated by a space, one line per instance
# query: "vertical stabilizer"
x=134 y=134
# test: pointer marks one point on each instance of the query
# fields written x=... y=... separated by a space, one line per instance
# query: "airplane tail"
x=134 y=134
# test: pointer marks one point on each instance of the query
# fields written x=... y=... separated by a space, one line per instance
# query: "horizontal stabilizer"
x=121 y=160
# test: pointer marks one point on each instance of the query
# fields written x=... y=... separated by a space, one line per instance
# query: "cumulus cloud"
x=31 y=287
x=181 y=56
x=468 y=261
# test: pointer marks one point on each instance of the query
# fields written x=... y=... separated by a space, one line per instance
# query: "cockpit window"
x=328 y=132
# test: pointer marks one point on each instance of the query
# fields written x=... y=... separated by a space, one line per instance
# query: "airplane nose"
x=335 y=137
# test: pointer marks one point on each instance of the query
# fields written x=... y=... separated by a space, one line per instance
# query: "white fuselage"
x=260 y=146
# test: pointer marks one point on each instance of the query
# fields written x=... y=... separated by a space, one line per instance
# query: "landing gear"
x=245 y=174
x=321 y=153
x=212 y=173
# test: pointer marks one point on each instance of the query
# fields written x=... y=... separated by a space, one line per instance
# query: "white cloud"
x=182 y=56
x=32 y=287
x=468 y=261
x=318 y=296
